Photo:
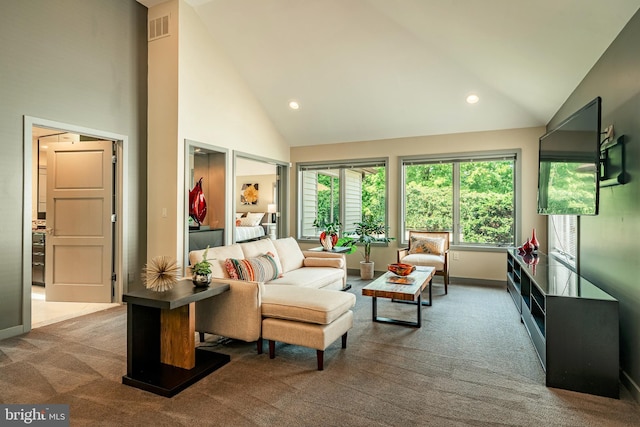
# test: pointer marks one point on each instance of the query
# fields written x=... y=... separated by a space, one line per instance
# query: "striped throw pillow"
x=258 y=269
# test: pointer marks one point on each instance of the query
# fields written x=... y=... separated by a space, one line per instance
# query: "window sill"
x=479 y=248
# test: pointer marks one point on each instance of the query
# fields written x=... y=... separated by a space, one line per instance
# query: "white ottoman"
x=312 y=318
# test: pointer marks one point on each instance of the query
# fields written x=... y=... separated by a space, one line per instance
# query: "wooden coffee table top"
x=382 y=288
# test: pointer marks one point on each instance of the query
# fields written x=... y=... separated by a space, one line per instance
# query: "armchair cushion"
x=427 y=260
x=426 y=245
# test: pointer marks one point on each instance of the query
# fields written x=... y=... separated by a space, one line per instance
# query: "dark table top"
x=183 y=293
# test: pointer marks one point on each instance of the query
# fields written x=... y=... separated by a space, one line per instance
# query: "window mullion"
x=456 y=203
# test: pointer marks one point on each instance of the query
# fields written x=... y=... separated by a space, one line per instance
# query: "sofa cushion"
x=311 y=277
x=324 y=262
x=428 y=260
x=290 y=254
x=426 y=245
x=217 y=256
x=305 y=305
x=258 y=269
x=261 y=247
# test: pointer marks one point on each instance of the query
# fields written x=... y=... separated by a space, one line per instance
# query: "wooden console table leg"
x=177 y=336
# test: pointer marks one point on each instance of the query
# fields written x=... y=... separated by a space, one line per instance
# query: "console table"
x=572 y=323
x=161 y=353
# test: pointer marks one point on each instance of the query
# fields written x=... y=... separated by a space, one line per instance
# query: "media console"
x=572 y=323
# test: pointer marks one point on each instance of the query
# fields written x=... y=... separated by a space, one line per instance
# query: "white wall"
x=477 y=265
x=75 y=62
x=195 y=94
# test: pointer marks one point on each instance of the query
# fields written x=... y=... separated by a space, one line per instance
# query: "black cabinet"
x=572 y=323
x=200 y=239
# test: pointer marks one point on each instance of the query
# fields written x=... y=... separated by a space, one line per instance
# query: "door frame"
x=122 y=193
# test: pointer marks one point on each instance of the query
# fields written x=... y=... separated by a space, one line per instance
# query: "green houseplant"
x=202 y=271
x=370 y=230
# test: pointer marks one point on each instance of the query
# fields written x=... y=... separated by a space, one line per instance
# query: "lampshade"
x=271 y=208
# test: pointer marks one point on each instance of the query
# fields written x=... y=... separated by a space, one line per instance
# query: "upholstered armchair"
x=430 y=249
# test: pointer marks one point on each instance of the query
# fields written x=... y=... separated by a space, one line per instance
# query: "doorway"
x=81 y=293
x=272 y=178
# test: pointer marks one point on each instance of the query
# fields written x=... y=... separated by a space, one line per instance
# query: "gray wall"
x=609 y=244
x=81 y=62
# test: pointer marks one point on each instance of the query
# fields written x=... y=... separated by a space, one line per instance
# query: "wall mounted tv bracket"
x=612 y=162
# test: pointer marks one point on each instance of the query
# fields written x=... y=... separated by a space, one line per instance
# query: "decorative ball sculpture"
x=161 y=273
x=401 y=269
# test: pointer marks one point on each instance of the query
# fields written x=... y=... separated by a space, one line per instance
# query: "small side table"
x=335 y=250
x=271 y=230
x=161 y=353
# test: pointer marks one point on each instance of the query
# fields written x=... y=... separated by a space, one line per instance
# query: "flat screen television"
x=569 y=164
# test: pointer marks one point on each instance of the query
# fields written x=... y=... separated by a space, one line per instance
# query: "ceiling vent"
x=158 y=28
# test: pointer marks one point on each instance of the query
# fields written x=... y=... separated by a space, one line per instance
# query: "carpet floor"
x=471 y=364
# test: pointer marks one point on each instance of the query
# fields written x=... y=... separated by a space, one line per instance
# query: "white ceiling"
x=376 y=69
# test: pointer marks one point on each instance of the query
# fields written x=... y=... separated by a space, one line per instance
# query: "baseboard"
x=631 y=385
x=481 y=282
x=440 y=279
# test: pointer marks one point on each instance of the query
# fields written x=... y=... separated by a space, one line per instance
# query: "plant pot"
x=366 y=270
x=201 y=280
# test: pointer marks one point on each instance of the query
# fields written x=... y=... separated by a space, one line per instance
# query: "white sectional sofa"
x=237 y=313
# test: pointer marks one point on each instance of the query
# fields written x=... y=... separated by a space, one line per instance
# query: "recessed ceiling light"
x=472 y=99
x=294 y=105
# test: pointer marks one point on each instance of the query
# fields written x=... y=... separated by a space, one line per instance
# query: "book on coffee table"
x=400 y=280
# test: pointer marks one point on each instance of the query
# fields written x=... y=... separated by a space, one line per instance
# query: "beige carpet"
x=471 y=363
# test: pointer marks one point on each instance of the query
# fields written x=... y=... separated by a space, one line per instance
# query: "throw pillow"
x=426 y=245
x=247 y=222
x=258 y=269
x=256 y=217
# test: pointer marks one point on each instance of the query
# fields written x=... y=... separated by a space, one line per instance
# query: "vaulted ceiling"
x=376 y=69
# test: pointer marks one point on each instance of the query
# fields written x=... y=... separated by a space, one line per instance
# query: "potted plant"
x=329 y=234
x=369 y=231
x=202 y=271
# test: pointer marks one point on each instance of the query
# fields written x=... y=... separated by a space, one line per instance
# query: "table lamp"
x=271 y=208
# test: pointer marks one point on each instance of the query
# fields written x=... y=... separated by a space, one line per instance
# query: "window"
x=342 y=192
x=563 y=238
x=473 y=197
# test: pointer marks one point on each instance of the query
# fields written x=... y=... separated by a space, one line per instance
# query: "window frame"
x=511 y=154
x=338 y=165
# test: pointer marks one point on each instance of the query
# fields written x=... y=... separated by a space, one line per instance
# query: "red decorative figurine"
x=197 y=203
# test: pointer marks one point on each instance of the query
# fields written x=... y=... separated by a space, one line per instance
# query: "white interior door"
x=79 y=237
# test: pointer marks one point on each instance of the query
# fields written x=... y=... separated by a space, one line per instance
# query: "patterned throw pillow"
x=258 y=269
x=426 y=245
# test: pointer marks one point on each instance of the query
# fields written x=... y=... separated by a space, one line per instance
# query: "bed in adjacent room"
x=249 y=227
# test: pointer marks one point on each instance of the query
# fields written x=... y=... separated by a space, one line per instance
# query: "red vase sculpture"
x=329 y=243
x=197 y=203
x=527 y=247
x=534 y=241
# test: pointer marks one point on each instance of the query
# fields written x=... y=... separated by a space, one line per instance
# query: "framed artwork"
x=249 y=194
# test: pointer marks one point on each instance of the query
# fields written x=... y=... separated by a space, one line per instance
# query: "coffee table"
x=382 y=288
